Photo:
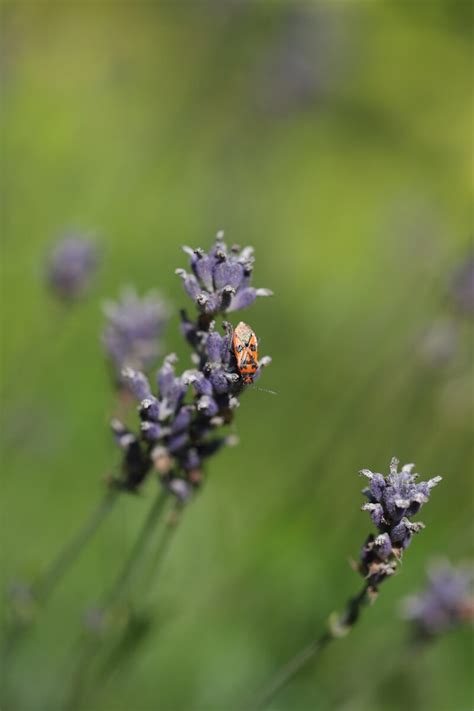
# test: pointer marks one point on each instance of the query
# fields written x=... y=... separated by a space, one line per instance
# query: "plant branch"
x=338 y=626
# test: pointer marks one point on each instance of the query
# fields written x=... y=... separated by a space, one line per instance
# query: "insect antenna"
x=264 y=390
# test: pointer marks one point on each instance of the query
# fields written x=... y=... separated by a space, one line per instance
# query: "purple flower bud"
x=177 y=442
x=221 y=278
x=182 y=420
x=383 y=545
x=190 y=282
x=376 y=513
x=137 y=383
x=209 y=303
x=203 y=270
x=220 y=382
x=150 y=409
x=377 y=486
x=71 y=265
x=200 y=383
x=166 y=376
x=207 y=406
x=151 y=431
x=393 y=499
x=228 y=274
x=214 y=347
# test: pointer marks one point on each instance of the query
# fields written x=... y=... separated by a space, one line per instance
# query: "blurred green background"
x=335 y=138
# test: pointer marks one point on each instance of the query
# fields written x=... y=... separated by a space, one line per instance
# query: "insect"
x=245 y=347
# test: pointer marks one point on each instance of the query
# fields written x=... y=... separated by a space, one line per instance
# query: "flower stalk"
x=181 y=421
x=392 y=501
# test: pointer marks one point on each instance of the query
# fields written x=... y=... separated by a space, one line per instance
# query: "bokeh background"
x=335 y=138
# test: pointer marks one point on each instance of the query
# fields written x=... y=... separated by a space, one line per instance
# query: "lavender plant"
x=70 y=267
x=393 y=501
x=182 y=421
x=445 y=603
x=182 y=424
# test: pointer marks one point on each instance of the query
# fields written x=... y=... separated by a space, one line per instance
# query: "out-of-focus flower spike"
x=71 y=265
x=133 y=330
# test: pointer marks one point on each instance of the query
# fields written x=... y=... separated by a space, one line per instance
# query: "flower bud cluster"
x=393 y=501
x=182 y=419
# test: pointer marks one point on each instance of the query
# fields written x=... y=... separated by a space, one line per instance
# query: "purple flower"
x=176 y=436
x=133 y=330
x=446 y=602
x=392 y=502
x=70 y=267
x=219 y=281
x=182 y=419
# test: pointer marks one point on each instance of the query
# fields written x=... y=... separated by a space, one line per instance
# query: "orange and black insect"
x=245 y=347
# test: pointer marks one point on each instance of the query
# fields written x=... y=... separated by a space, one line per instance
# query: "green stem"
x=290 y=669
x=92 y=644
x=336 y=629
x=54 y=574
x=134 y=559
x=159 y=555
x=40 y=592
x=148 y=586
x=52 y=577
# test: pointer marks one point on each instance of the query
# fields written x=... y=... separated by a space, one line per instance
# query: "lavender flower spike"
x=70 y=267
x=133 y=331
x=220 y=279
x=181 y=421
x=393 y=501
x=447 y=601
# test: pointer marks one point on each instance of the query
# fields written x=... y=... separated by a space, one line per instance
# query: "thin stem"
x=159 y=555
x=336 y=629
x=40 y=591
x=118 y=591
x=134 y=560
x=69 y=554
x=148 y=585
x=290 y=669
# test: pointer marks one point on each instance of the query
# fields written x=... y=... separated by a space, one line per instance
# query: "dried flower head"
x=220 y=279
x=70 y=266
x=446 y=602
x=181 y=422
x=133 y=331
x=393 y=501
